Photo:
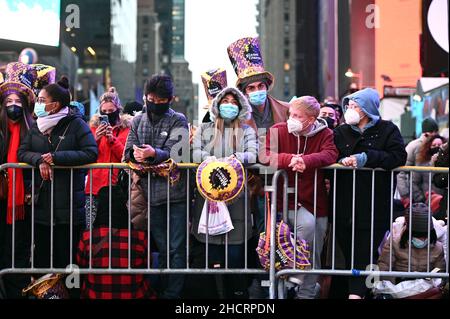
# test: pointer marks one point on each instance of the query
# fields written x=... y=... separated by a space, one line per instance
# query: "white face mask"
x=352 y=117
x=295 y=126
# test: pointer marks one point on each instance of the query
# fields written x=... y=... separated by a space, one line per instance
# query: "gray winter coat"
x=246 y=152
x=403 y=178
x=420 y=180
x=162 y=134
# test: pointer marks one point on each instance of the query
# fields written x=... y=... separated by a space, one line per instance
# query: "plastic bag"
x=219 y=220
x=406 y=288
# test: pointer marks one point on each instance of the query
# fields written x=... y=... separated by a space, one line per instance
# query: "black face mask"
x=14 y=112
x=433 y=151
x=113 y=117
x=157 y=109
x=330 y=122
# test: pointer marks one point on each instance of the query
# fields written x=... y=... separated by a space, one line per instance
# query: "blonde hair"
x=219 y=128
x=307 y=103
x=111 y=96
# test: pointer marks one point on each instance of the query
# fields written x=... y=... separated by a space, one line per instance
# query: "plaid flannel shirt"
x=96 y=286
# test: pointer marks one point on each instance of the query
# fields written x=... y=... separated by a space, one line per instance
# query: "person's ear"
x=49 y=106
x=56 y=107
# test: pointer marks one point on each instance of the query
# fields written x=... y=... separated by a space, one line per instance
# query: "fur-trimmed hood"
x=125 y=119
x=245 y=112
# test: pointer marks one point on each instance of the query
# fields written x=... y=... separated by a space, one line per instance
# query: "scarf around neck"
x=48 y=122
x=15 y=198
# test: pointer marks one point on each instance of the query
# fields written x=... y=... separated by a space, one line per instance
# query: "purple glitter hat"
x=214 y=82
x=19 y=79
x=45 y=75
x=245 y=56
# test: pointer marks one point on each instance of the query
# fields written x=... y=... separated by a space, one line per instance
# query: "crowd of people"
x=82 y=216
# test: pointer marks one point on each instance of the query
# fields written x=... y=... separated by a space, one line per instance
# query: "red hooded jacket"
x=318 y=151
x=108 y=152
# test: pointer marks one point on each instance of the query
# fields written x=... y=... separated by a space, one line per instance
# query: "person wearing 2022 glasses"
x=153 y=134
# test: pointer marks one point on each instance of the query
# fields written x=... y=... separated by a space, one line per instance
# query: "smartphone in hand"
x=104 y=120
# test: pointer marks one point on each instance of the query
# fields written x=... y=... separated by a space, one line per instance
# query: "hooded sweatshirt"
x=369 y=102
x=246 y=151
x=318 y=151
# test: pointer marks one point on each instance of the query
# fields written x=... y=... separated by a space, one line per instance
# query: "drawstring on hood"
x=298 y=145
x=318 y=126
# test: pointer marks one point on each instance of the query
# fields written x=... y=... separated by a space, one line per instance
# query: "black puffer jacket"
x=78 y=147
x=385 y=149
x=441 y=180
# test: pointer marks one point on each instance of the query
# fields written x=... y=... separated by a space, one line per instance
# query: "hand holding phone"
x=104 y=120
x=102 y=128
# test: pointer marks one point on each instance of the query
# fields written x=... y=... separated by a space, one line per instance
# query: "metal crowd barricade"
x=276 y=278
x=110 y=270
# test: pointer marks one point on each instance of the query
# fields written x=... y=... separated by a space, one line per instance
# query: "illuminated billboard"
x=31 y=21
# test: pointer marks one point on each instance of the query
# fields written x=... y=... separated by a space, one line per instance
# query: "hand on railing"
x=48 y=158
x=298 y=164
x=350 y=161
x=142 y=153
x=46 y=171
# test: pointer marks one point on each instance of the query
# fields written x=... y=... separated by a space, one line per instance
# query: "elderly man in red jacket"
x=301 y=146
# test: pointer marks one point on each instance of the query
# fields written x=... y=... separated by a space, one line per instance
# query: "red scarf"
x=14 y=143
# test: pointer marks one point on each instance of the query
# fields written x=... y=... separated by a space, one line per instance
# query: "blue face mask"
x=228 y=111
x=39 y=110
x=419 y=243
x=257 y=98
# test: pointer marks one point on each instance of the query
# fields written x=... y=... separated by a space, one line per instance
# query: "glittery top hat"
x=214 y=82
x=45 y=75
x=245 y=56
x=19 y=79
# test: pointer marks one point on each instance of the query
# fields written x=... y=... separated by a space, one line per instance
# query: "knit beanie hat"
x=111 y=96
x=421 y=218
